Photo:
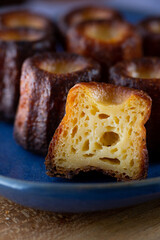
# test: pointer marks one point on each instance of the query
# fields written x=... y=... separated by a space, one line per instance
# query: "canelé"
x=103 y=130
x=150 y=32
x=107 y=41
x=26 y=20
x=143 y=74
x=87 y=13
x=45 y=82
x=15 y=47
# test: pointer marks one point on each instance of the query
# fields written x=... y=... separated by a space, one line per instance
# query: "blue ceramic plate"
x=23 y=180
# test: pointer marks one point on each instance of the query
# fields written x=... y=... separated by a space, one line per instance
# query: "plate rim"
x=19 y=183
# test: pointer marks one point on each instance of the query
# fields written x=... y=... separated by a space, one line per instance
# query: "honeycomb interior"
x=90 y=14
x=145 y=72
x=106 y=33
x=15 y=20
x=19 y=36
x=106 y=135
x=62 y=66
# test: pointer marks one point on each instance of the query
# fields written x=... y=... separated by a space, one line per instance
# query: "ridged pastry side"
x=15 y=46
x=45 y=81
x=143 y=74
x=149 y=29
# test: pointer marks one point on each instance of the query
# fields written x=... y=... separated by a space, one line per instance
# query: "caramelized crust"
x=106 y=41
x=15 y=47
x=150 y=32
x=143 y=74
x=87 y=13
x=45 y=82
x=103 y=130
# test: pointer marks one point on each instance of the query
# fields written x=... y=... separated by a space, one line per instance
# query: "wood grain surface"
x=141 y=222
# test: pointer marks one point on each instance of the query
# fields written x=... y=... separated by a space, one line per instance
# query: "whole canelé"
x=26 y=20
x=86 y=13
x=15 y=46
x=150 y=32
x=143 y=74
x=45 y=82
x=107 y=41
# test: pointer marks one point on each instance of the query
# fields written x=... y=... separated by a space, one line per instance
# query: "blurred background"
x=146 y=6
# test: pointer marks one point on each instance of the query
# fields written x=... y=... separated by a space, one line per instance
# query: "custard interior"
x=62 y=67
x=106 y=33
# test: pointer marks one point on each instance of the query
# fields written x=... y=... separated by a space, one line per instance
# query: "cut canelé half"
x=103 y=130
x=106 y=41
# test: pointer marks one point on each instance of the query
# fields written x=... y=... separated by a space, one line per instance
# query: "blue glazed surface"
x=23 y=179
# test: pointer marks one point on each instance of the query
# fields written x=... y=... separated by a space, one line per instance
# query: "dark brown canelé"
x=15 y=46
x=45 y=82
x=26 y=20
x=87 y=13
x=143 y=74
x=150 y=32
x=107 y=41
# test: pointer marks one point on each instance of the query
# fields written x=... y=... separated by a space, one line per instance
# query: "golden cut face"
x=103 y=129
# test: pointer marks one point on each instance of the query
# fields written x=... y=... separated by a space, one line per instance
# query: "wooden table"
x=141 y=222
